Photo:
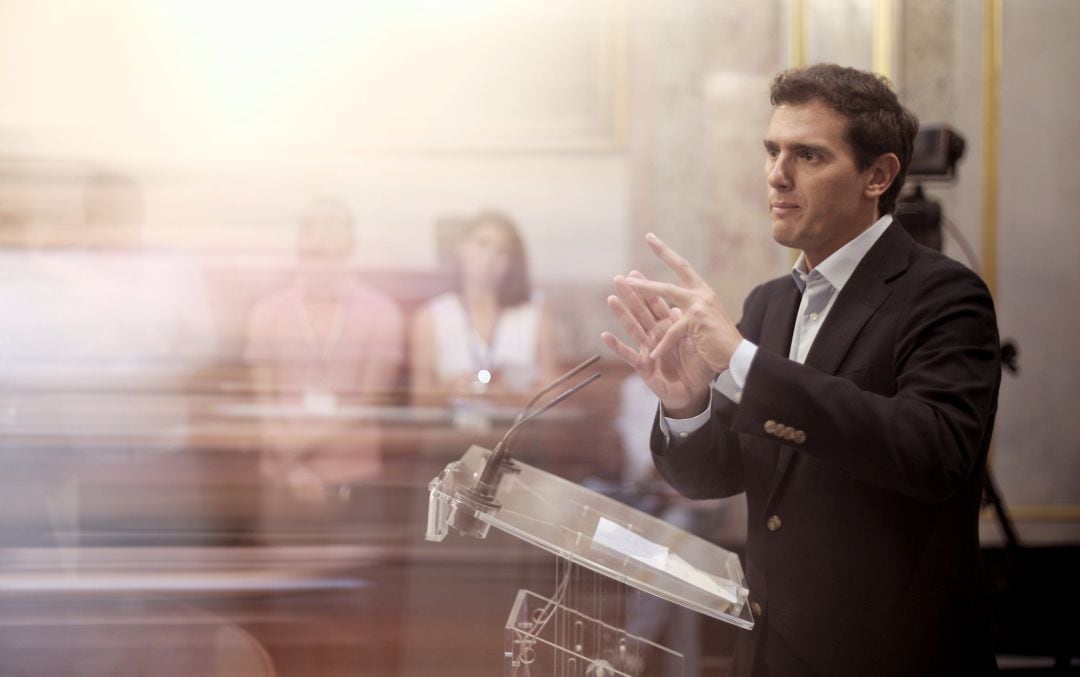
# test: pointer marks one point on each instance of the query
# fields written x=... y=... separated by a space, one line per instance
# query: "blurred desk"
x=387 y=415
x=120 y=478
x=329 y=610
x=165 y=544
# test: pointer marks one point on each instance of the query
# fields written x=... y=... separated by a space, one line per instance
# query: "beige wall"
x=1039 y=240
x=232 y=116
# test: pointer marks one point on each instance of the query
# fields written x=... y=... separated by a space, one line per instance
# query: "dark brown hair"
x=876 y=121
x=516 y=287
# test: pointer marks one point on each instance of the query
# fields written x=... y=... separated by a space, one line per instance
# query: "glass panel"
x=596 y=532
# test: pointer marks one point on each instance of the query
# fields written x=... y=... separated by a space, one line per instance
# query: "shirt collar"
x=838 y=268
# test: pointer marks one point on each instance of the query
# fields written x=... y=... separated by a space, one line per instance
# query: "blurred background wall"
x=591 y=123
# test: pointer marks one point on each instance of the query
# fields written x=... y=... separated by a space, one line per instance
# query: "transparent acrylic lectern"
x=598 y=533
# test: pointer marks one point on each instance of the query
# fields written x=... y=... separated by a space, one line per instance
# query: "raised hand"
x=704 y=321
x=679 y=377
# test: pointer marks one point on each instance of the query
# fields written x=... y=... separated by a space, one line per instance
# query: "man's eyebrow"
x=797 y=148
x=811 y=148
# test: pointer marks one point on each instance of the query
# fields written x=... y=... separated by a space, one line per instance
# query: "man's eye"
x=809 y=156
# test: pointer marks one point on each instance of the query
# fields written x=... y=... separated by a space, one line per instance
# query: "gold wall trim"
x=1039 y=512
x=881 y=59
x=798 y=33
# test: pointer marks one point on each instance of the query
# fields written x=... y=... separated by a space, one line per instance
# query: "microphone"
x=554 y=384
x=507 y=463
x=482 y=496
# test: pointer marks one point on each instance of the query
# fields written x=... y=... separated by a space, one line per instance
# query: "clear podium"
x=544 y=635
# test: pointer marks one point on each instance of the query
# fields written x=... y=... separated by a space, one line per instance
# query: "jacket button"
x=800 y=437
x=770 y=427
x=789 y=434
x=773 y=523
x=758 y=610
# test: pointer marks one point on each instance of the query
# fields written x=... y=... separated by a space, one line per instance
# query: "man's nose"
x=777 y=174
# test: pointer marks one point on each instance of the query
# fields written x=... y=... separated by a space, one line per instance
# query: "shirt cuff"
x=681 y=428
x=739 y=367
x=730 y=384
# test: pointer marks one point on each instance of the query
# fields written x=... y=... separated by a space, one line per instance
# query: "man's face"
x=817 y=195
x=325 y=235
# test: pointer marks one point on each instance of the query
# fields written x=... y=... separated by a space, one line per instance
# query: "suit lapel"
x=863 y=294
x=779 y=321
x=860 y=298
x=849 y=314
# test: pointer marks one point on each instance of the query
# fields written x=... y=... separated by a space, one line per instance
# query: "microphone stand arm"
x=488 y=483
x=554 y=384
x=464 y=516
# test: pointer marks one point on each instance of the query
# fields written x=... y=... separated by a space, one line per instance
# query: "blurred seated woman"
x=490 y=337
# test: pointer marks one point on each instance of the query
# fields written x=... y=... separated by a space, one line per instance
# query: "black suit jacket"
x=862 y=469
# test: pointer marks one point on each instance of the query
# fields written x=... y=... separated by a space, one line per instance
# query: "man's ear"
x=881 y=174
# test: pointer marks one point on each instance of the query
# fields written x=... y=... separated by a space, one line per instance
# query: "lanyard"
x=482 y=354
x=324 y=351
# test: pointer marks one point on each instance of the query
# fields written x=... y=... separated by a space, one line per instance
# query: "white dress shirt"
x=819 y=288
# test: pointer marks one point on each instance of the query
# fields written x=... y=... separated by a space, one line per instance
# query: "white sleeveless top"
x=512 y=353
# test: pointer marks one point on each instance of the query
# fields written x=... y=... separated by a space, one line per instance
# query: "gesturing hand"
x=680 y=378
x=704 y=319
x=679 y=349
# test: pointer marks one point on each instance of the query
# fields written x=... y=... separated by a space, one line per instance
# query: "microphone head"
x=465 y=511
x=482 y=496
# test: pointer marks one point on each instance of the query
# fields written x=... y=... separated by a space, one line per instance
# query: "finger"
x=687 y=275
x=658 y=306
x=635 y=303
x=629 y=322
x=672 y=293
x=670 y=339
x=651 y=306
x=623 y=351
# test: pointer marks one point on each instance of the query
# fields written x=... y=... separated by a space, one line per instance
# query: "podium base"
x=545 y=637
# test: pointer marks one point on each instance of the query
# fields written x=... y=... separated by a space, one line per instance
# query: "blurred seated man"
x=103 y=340
x=323 y=341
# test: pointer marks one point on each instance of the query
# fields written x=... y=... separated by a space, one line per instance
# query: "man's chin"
x=782 y=235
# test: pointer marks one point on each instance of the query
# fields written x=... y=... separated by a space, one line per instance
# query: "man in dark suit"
x=853 y=403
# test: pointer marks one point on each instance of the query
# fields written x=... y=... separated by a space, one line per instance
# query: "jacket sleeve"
x=924 y=437
x=708 y=463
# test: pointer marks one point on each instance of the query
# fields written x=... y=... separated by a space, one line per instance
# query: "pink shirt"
x=370 y=330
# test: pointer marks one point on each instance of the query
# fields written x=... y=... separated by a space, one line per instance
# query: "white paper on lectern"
x=681 y=569
x=626 y=542
x=622 y=540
